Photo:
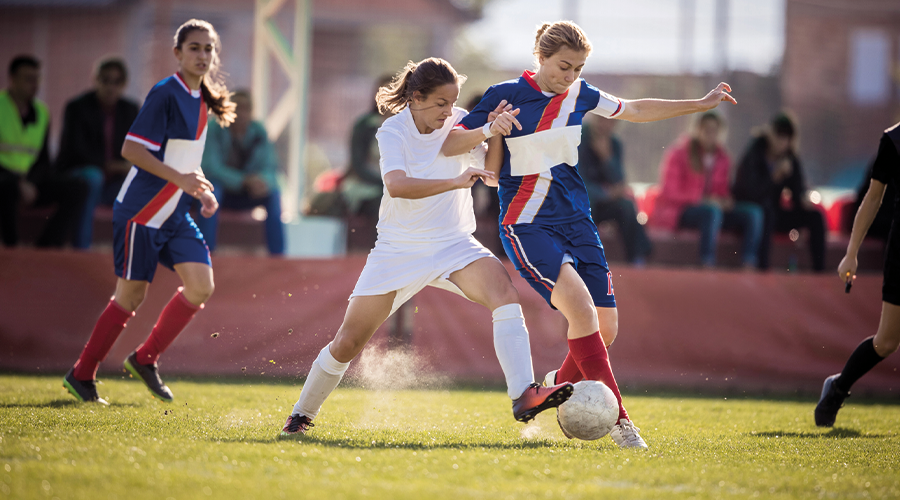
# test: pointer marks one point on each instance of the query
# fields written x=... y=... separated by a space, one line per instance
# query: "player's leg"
x=867 y=354
x=364 y=315
x=80 y=381
x=486 y=282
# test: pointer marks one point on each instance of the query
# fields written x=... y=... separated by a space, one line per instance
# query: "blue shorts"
x=539 y=251
x=137 y=248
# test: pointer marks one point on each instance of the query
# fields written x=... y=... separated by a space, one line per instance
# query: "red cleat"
x=536 y=399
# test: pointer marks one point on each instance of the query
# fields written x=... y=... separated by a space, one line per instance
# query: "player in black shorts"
x=872 y=350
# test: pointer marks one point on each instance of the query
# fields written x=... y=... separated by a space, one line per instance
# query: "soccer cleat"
x=149 y=374
x=830 y=402
x=625 y=434
x=536 y=399
x=83 y=390
x=550 y=378
x=296 y=424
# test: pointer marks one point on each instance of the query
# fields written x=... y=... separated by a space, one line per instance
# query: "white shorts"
x=407 y=269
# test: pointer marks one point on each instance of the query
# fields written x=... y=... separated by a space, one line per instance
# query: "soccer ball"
x=591 y=412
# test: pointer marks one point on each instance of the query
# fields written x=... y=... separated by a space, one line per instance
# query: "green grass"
x=218 y=440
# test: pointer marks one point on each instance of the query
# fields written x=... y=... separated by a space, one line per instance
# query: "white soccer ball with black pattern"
x=591 y=412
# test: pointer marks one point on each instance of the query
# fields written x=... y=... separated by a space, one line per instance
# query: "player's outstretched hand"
x=847 y=268
x=503 y=106
x=467 y=179
x=194 y=183
x=717 y=95
x=209 y=204
x=505 y=122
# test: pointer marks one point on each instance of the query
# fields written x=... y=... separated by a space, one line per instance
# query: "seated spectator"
x=694 y=193
x=769 y=167
x=90 y=149
x=240 y=162
x=26 y=176
x=363 y=187
x=600 y=166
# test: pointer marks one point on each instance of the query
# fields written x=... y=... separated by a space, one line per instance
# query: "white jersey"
x=443 y=217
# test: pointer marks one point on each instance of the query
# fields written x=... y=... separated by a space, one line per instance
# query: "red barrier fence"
x=685 y=329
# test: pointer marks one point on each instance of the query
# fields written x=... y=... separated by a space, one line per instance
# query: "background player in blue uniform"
x=545 y=220
x=151 y=223
x=871 y=351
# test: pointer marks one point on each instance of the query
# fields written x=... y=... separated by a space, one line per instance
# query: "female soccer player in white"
x=425 y=238
x=151 y=223
x=545 y=220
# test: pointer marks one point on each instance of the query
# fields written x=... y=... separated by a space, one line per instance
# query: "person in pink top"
x=695 y=193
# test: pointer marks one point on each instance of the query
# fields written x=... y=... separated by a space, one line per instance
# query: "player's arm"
x=868 y=209
x=651 y=110
x=493 y=161
x=499 y=122
x=194 y=183
x=400 y=186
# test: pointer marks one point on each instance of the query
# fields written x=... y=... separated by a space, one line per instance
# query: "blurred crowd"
x=701 y=191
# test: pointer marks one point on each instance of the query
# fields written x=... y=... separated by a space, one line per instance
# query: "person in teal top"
x=241 y=163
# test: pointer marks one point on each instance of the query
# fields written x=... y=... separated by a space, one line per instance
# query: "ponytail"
x=422 y=77
x=212 y=87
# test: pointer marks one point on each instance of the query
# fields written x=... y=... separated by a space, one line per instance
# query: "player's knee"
x=887 y=346
x=346 y=345
x=199 y=293
x=505 y=294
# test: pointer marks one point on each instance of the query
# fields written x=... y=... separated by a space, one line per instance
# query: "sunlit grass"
x=219 y=440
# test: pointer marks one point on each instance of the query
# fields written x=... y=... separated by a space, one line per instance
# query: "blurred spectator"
x=600 y=166
x=240 y=162
x=363 y=187
x=695 y=193
x=94 y=128
x=769 y=168
x=26 y=176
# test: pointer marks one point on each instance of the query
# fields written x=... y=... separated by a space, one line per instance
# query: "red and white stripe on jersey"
x=147 y=143
x=520 y=255
x=534 y=188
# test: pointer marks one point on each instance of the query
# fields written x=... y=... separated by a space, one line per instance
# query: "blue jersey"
x=172 y=126
x=539 y=181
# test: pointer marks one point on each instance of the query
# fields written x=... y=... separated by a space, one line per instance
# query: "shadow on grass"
x=63 y=403
x=346 y=443
x=835 y=433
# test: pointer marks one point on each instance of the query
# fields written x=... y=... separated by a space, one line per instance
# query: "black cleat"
x=296 y=424
x=83 y=390
x=830 y=402
x=149 y=374
x=537 y=398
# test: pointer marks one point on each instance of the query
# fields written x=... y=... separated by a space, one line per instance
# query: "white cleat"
x=625 y=434
x=550 y=379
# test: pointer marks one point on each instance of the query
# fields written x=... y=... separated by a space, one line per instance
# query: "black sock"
x=863 y=359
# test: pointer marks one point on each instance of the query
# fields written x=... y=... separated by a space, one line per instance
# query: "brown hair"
x=422 y=77
x=212 y=87
x=553 y=37
x=695 y=153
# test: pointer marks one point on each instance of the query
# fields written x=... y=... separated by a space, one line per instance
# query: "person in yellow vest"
x=26 y=178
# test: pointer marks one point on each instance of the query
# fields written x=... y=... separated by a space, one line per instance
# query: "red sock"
x=174 y=317
x=593 y=360
x=569 y=371
x=106 y=331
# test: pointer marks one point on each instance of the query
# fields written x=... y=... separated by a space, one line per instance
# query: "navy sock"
x=863 y=359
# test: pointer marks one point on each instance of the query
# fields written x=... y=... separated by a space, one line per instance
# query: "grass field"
x=219 y=440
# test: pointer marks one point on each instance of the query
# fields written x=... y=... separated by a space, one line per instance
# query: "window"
x=870 y=66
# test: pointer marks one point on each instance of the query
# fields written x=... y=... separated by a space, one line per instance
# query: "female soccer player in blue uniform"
x=151 y=223
x=545 y=220
x=887 y=339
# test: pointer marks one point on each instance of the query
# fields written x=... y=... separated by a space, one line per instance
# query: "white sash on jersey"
x=541 y=151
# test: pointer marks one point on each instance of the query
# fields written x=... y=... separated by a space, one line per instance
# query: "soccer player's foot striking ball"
x=626 y=435
x=830 y=402
x=149 y=374
x=296 y=425
x=536 y=399
x=550 y=378
x=83 y=390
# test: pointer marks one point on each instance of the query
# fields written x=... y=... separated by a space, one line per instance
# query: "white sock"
x=323 y=378
x=513 y=348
